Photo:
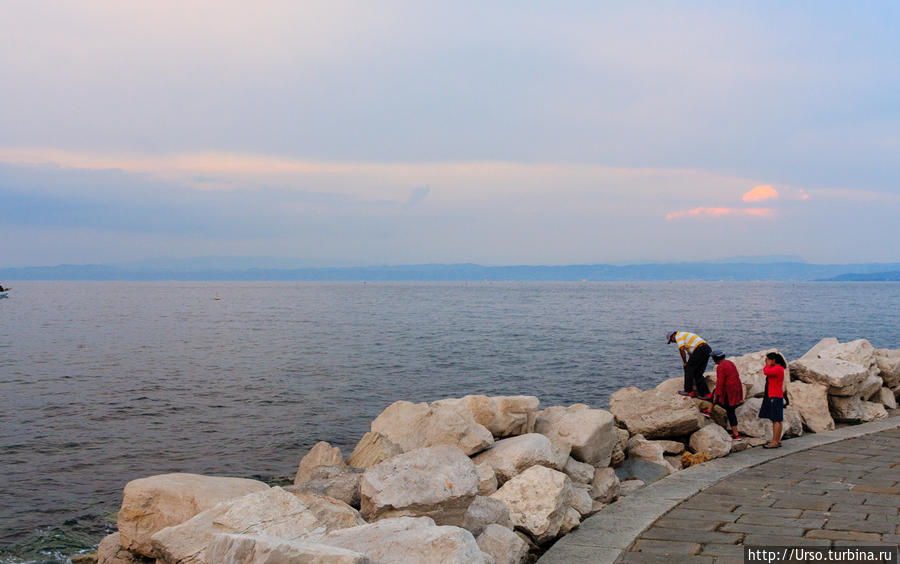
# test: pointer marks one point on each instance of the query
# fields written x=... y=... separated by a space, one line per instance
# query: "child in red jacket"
x=729 y=391
x=773 y=398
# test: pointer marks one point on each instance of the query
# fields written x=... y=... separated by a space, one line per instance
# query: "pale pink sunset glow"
x=703 y=211
x=759 y=193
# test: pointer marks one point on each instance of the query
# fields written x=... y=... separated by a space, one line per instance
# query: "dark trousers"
x=732 y=416
x=693 y=372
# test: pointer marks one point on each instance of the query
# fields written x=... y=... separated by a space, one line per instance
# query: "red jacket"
x=729 y=391
x=775 y=379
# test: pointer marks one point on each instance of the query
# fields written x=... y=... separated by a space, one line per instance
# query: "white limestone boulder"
x=503 y=416
x=372 y=449
x=570 y=521
x=618 y=453
x=484 y=511
x=589 y=432
x=793 y=423
x=846 y=408
x=437 y=482
x=652 y=451
x=272 y=512
x=713 y=440
x=538 y=500
x=870 y=387
x=873 y=411
x=628 y=487
x=751 y=425
x=827 y=363
x=655 y=414
x=509 y=457
x=671 y=447
x=605 y=485
x=419 y=425
x=321 y=454
x=110 y=551
x=672 y=386
x=504 y=545
x=886 y=397
x=888 y=363
x=859 y=351
x=339 y=482
x=582 y=502
x=811 y=401
x=579 y=472
x=262 y=549
x=402 y=540
x=154 y=503
x=487 y=479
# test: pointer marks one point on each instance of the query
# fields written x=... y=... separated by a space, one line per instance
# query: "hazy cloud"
x=759 y=193
x=703 y=211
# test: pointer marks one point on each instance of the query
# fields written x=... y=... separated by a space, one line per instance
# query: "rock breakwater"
x=478 y=478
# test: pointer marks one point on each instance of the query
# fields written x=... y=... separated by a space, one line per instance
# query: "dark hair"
x=779 y=360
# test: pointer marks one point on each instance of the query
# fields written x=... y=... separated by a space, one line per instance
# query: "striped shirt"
x=688 y=341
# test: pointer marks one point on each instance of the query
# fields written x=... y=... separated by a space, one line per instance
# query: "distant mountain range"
x=702 y=271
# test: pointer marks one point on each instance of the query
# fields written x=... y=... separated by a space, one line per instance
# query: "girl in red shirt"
x=773 y=398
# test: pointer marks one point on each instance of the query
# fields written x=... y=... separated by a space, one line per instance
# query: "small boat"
x=4 y=294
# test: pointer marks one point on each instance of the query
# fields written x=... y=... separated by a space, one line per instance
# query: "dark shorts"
x=773 y=409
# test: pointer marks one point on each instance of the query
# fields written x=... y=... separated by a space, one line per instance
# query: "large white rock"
x=811 y=401
x=154 y=503
x=605 y=486
x=846 y=408
x=504 y=545
x=888 y=363
x=749 y=422
x=371 y=449
x=437 y=482
x=887 y=398
x=672 y=385
x=581 y=472
x=321 y=454
x=655 y=414
x=512 y=456
x=272 y=512
x=618 y=454
x=408 y=539
x=570 y=521
x=538 y=499
x=504 y=416
x=651 y=451
x=713 y=440
x=418 y=425
x=793 y=422
x=262 y=549
x=339 y=482
x=588 y=431
x=870 y=387
x=841 y=367
x=487 y=479
x=582 y=502
x=873 y=411
x=110 y=551
x=484 y=511
x=859 y=352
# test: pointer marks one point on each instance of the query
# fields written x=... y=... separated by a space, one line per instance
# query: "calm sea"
x=101 y=383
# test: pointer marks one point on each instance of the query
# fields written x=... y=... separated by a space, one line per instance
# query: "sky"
x=361 y=133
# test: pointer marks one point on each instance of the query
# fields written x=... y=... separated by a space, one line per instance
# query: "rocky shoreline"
x=482 y=479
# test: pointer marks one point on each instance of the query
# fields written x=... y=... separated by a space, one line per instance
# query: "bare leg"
x=776 y=433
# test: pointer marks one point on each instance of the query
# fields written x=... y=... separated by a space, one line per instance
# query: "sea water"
x=102 y=383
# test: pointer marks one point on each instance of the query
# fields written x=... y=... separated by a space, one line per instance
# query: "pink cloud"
x=759 y=193
x=719 y=212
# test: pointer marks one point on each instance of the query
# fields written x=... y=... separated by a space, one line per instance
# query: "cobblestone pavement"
x=841 y=494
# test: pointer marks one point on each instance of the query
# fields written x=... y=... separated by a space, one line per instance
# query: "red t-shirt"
x=775 y=378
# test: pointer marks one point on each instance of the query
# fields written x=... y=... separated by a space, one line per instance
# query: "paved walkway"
x=832 y=489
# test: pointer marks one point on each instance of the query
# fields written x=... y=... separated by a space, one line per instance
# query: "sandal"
x=772 y=446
